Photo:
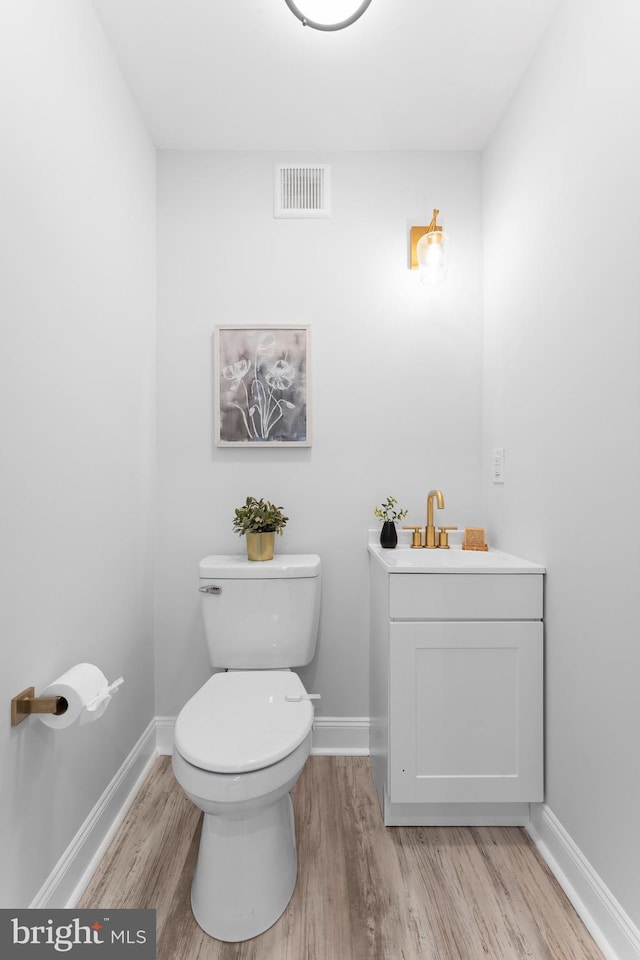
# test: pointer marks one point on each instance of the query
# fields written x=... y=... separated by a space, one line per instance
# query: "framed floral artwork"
x=262 y=394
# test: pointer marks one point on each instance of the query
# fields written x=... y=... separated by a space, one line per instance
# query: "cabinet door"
x=466 y=712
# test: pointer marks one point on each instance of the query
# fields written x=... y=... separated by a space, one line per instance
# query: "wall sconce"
x=429 y=251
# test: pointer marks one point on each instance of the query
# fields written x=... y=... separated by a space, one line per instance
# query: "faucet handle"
x=443 y=538
x=417 y=537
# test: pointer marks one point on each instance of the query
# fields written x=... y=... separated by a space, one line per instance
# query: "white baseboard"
x=68 y=879
x=340 y=737
x=332 y=736
x=164 y=735
x=607 y=922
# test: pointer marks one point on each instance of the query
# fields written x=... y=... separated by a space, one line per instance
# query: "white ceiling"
x=246 y=75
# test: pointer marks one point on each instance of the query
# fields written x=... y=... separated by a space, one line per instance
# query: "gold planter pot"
x=260 y=545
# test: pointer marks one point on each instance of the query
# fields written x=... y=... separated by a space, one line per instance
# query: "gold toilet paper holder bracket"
x=26 y=703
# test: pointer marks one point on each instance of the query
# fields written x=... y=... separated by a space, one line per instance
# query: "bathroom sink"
x=403 y=559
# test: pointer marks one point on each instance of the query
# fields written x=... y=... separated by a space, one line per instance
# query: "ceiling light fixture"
x=429 y=251
x=321 y=25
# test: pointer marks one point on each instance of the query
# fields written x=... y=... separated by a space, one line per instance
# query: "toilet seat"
x=241 y=721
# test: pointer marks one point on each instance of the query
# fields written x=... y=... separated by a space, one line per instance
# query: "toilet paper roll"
x=87 y=692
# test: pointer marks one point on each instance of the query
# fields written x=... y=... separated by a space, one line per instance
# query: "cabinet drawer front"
x=491 y=596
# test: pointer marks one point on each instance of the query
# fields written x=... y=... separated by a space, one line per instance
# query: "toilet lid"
x=240 y=721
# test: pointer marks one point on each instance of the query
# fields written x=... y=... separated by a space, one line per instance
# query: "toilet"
x=242 y=740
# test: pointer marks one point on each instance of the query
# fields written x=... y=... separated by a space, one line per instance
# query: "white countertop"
x=403 y=559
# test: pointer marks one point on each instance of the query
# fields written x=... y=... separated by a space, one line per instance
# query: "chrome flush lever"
x=297 y=697
x=212 y=588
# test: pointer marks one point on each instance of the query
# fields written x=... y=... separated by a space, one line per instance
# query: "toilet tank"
x=261 y=615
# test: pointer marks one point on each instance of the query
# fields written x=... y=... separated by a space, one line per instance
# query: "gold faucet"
x=430 y=530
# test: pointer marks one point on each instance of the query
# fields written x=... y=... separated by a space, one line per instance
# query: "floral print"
x=263 y=386
x=236 y=371
x=281 y=375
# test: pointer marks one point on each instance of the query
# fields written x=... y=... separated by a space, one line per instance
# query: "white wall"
x=396 y=382
x=77 y=247
x=561 y=197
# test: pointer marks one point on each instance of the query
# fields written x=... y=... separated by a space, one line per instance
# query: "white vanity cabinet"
x=456 y=687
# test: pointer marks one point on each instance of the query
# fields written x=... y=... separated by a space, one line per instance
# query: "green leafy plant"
x=389 y=511
x=258 y=516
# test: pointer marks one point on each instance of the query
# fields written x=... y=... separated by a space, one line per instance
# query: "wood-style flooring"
x=364 y=891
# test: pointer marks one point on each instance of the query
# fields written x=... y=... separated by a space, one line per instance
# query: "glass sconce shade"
x=433 y=256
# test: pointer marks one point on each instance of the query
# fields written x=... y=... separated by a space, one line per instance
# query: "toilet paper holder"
x=26 y=704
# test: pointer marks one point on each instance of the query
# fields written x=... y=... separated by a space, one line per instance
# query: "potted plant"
x=389 y=512
x=259 y=521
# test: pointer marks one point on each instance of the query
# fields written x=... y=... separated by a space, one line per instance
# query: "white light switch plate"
x=497 y=465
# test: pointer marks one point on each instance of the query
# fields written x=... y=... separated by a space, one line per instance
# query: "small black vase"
x=388 y=535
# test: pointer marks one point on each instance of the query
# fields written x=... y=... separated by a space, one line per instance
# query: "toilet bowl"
x=241 y=741
x=240 y=744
